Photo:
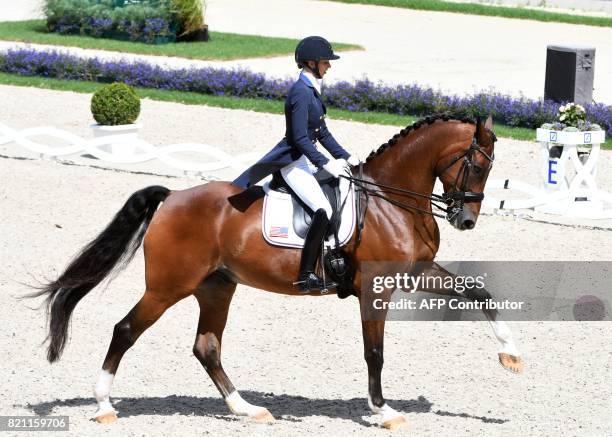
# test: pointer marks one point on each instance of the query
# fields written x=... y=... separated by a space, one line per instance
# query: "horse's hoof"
x=107 y=418
x=399 y=422
x=511 y=363
x=263 y=417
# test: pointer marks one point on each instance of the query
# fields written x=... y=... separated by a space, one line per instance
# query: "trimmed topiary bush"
x=115 y=104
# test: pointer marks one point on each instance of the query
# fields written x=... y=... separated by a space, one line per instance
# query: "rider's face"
x=323 y=66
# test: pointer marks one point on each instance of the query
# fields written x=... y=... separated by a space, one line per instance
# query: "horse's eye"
x=477 y=169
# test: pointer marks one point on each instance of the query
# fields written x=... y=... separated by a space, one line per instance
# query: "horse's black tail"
x=112 y=250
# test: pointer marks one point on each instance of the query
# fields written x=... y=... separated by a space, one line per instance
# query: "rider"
x=297 y=157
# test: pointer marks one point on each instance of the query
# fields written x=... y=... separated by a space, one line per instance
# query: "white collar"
x=313 y=80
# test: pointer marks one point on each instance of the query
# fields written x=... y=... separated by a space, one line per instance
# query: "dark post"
x=569 y=74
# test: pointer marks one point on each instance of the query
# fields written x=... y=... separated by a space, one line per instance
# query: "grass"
x=488 y=10
x=257 y=105
x=222 y=46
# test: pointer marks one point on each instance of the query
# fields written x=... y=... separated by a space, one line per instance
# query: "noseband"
x=460 y=195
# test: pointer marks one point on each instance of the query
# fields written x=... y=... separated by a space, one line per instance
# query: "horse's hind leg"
x=146 y=312
x=214 y=296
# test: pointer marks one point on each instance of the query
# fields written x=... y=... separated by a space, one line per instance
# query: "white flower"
x=562 y=117
x=562 y=109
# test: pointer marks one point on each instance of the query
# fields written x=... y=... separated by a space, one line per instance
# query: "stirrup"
x=309 y=281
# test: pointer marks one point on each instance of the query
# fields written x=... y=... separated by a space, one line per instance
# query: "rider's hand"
x=335 y=167
x=353 y=160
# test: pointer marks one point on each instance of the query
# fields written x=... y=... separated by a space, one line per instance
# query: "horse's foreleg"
x=373 y=339
x=509 y=355
x=214 y=296
x=146 y=312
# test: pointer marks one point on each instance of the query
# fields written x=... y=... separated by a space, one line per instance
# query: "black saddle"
x=302 y=214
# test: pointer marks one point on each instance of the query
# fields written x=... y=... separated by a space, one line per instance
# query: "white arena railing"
x=126 y=149
x=572 y=197
x=560 y=192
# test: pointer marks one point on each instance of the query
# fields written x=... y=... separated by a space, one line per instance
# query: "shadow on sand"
x=282 y=406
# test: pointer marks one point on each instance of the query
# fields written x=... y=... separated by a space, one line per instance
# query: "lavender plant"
x=145 y=20
x=361 y=96
x=155 y=27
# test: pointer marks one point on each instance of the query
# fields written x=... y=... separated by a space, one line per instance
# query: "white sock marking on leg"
x=240 y=407
x=504 y=336
x=102 y=393
x=385 y=412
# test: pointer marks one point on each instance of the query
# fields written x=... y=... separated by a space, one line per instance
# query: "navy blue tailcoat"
x=305 y=120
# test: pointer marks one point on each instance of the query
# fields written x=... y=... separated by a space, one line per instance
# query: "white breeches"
x=299 y=176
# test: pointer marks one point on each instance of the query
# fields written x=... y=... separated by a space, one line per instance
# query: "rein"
x=453 y=200
x=433 y=198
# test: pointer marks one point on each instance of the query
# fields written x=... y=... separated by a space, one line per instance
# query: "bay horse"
x=201 y=242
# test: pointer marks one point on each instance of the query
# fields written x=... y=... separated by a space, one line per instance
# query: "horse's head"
x=464 y=172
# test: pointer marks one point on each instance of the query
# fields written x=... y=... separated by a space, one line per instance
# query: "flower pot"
x=195 y=35
x=578 y=138
x=122 y=139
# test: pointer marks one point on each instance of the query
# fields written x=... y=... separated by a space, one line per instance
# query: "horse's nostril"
x=468 y=224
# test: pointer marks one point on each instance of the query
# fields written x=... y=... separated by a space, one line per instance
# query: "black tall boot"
x=308 y=280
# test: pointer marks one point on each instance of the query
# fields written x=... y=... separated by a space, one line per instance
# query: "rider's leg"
x=307 y=279
x=299 y=177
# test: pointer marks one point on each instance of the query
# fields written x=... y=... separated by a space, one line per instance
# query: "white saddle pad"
x=277 y=218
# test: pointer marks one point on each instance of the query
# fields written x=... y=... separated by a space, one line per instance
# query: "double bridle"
x=453 y=200
x=456 y=198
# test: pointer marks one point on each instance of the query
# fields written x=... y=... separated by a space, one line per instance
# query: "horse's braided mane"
x=424 y=121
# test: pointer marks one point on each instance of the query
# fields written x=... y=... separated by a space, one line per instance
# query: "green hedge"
x=115 y=104
x=150 y=21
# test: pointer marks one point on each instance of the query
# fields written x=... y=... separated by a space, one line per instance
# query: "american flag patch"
x=279 y=232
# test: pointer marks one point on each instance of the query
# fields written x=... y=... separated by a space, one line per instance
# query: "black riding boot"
x=307 y=280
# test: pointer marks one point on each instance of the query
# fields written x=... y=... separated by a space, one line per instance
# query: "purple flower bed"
x=150 y=30
x=362 y=96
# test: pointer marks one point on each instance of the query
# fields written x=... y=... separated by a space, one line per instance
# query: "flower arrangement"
x=571 y=114
x=362 y=96
x=572 y=118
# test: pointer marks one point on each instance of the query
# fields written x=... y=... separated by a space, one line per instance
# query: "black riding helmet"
x=314 y=48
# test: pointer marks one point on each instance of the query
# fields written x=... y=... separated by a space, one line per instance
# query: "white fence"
x=561 y=192
x=127 y=149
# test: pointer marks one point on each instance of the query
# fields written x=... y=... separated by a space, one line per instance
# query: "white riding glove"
x=353 y=160
x=335 y=167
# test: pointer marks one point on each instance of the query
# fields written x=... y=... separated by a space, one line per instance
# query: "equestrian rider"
x=297 y=157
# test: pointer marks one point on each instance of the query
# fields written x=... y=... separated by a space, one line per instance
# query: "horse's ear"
x=481 y=130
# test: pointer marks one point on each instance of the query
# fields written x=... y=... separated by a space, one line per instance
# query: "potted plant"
x=115 y=108
x=571 y=127
x=570 y=139
x=190 y=17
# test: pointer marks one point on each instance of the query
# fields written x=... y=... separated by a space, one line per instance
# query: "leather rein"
x=453 y=200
